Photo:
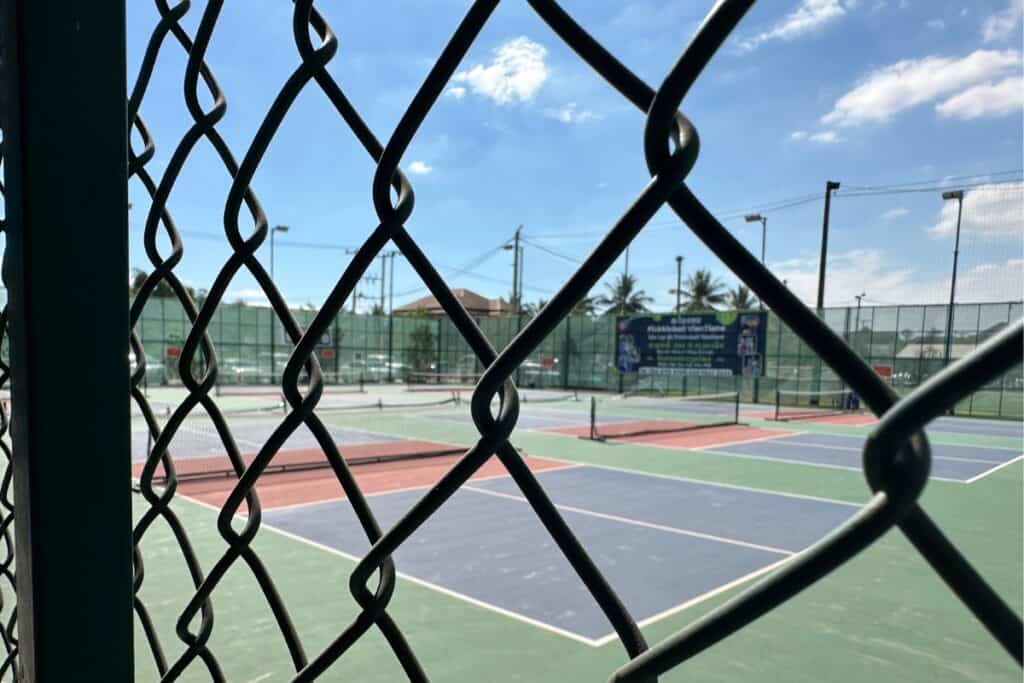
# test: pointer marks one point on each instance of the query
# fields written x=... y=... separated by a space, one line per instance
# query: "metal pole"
x=829 y=187
x=856 y=323
x=627 y=261
x=63 y=97
x=391 y=317
x=273 y=341
x=764 y=235
x=515 y=272
x=383 y=274
x=679 y=283
x=952 y=283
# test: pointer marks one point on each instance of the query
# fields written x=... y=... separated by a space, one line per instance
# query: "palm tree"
x=740 y=299
x=586 y=306
x=703 y=292
x=624 y=298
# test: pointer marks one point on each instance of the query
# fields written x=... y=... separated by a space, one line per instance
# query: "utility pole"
x=627 y=261
x=830 y=186
x=678 y=291
x=273 y=320
x=516 y=265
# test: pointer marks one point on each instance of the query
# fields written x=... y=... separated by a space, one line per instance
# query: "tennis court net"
x=267 y=383
x=365 y=433
x=441 y=381
x=627 y=417
x=808 y=405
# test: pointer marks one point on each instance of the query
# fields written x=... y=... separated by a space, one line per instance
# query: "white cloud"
x=420 y=167
x=826 y=137
x=1001 y=25
x=936 y=24
x=514 y=75
x=991 y=212
x=898 y=212
x=866 y=270
x=456 y=91
x=569 y=113
x=986 y=99
x=885 y=92
x=809 y=16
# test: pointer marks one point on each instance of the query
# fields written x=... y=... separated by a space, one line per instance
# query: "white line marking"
x=860 y=450
x=994 y=469
x=788 y=461
x=643 y=623
x=418 y=581
x=444 y=591
x=260 y=678
x=780 y=435
x=567 y=466
x=640 y=523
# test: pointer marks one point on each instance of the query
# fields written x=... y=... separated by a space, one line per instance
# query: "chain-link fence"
x=896 y=458
x=905 y=344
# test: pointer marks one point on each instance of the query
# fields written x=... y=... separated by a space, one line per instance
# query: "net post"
x=593 y=417
x=778 y=399
x=63 y=90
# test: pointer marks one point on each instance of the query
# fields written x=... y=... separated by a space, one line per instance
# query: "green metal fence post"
x=62 y=80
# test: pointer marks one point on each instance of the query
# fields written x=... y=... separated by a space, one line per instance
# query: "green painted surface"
x=884 y=616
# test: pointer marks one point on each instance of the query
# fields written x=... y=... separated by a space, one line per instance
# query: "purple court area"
x=951 y=462
x=971 y=425
x=661 y=542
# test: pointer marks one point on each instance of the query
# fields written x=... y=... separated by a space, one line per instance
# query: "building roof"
x=474 y=303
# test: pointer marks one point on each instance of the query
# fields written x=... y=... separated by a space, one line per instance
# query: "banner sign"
x=718 y=344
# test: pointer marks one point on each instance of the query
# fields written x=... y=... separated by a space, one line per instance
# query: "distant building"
x=476 y=305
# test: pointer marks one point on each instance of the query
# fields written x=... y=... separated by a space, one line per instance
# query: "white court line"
x=643 y=623
x=640 y=523
x=420 y=582
x=405 y=489
x=848 y=468
x=861 y=450
x=780 y=435
x=994 y=469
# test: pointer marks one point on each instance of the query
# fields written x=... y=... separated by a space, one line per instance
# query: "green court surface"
x=883 y=616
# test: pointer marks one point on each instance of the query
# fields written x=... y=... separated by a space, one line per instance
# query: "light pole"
x=958 y=195
x=678 y=291
x=273 y=326
x=856 y=323
x=755 y=218
x=830 y=186
x=517 y=281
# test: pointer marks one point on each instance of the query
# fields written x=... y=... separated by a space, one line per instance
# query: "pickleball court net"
x=199 y=453
x=441 y=381
x=619 y=418
x=268 y=383
x=808 y=405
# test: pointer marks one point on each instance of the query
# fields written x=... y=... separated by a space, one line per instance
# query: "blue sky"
x=868 y=92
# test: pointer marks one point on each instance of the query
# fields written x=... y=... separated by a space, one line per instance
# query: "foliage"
x=702 y=292
x=741 y=299
x=422 y=349
x=163 y=289
x=585 y=306
x=623 y=297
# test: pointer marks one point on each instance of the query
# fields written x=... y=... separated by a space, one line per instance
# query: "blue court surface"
x=663 y=543
x=949 y=462
x=539 y=418
x=971 y=425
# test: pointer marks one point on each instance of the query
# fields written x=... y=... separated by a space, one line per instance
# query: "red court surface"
x=694 y=438
x=278 y=489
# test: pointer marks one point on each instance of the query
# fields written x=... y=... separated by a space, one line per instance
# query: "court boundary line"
x=476 y=602
x=723 y=444
x=930 y=434
x=693 y=602
x=404 y=489
x=993 y=470
x=641 y=523
x=934 y=457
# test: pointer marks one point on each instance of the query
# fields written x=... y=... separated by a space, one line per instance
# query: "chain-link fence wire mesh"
x=896 y=456
x=8 y=598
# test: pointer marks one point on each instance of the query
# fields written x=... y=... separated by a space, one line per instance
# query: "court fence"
x=82 y=550
x=905 y=344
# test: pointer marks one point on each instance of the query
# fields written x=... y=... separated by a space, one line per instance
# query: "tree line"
x=701 y=291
